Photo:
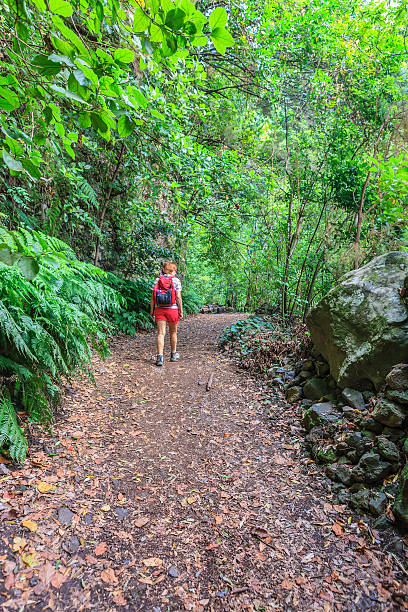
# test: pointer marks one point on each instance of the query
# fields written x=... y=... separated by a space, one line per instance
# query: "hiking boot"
x=159 y=360
x=174 y=356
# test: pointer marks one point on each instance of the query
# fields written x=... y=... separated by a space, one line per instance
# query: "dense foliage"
x=262 y=146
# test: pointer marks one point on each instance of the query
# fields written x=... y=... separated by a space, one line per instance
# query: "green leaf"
x=84 y=120
x=99 y=10
x=140 y=20
x=137 y=94
x=175 y=19
x=31 y=169
x=88 y=72
x=45 y=66
x=40 y=4
x=189 y=28
x=199 y=41
x=124 y=55
x=75 y=87
x=125 y=126
x=60 y=7
x=68 y=94
x=11 y=163
x=14 y=146
x=218 y=18
x=63 y=46
x=98 y=123
x=221 y=39
x=156 y=34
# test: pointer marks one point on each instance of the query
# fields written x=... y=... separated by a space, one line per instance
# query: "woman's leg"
x=173 y=336
x=161 y=332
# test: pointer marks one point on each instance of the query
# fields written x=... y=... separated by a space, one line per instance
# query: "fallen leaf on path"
x=218 y=520
x=31 y=525
x=141 y=522
x=58 y=580
x=105 y=508
x=19 y=544
x=109 y=576
x=100 y=549
x=29 y=559
x=43 y=487
x=287 y=585
x=46 y=573
x=337 y=529
x=152 y=562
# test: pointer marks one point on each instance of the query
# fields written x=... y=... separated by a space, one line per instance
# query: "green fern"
x=11 y=434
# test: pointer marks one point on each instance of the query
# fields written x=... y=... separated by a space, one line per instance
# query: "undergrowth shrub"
x=261 y=342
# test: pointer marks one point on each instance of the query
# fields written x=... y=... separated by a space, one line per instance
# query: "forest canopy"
x=263 y=146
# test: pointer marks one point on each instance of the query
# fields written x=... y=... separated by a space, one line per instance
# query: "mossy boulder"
x=361 y=326
x=321 y=414
x=401 y=502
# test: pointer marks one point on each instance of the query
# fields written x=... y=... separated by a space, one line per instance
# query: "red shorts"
x=171 y=315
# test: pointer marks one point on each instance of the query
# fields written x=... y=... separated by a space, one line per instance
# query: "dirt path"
x=155 y=494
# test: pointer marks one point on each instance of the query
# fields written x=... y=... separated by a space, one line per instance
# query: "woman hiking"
x=167 y=307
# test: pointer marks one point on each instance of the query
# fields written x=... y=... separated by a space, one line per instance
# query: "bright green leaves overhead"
x=140 y=20
x=218 y=18
x=81 y=77
x=61 y=7
x=124 y=55
x=221 y=39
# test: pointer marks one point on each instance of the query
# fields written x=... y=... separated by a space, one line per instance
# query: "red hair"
x=169 y=267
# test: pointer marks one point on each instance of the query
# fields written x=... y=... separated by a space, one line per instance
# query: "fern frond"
x=11 y=434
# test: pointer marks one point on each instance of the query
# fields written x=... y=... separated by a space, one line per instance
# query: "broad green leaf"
x=125 y=126
x=124 y=55
x=175 y=19
x=156 y=34
x=68 y=148
x=31 y=169
x=14 y=146
x=40 y=4
x=218 y=18
x=140 y=20
x=61 y=7
x=45 y=66
x=199 y=41
x=88 y=72
x=99 y=10
x=98 y=123
x=84 y=120
x=68 y=94
x=137 y=94
x=221 y=39
x=11 y=163
x=75 y=87
x=167 y=5
x=189 y=28
x=63 y=46
x=187 y=6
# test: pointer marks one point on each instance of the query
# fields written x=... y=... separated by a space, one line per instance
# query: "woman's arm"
x=152 y=305
x=179 y=303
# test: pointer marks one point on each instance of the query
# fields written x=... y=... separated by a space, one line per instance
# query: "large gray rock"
x=387 y=449
x=388 y=413
x=361 y=325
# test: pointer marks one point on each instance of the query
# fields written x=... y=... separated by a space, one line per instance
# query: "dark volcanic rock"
x=371 y=469
x=353 y=398
x=388 y=413
x=387 y=449
x=339 y=473
x=398 y=377
x=316 y=388
x=319 y=414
